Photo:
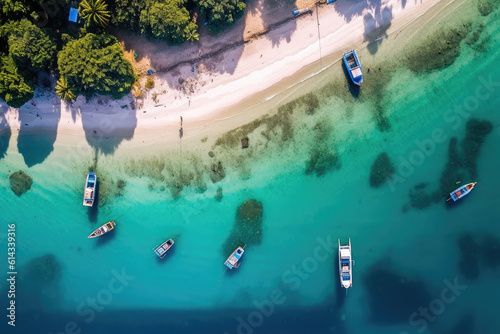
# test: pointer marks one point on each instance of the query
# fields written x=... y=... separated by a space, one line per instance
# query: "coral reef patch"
x=382 y=170
x=247 y=228
x=20 y=182
x=392 y=297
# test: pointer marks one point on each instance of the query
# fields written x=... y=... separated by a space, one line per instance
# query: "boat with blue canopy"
x=89 y=192
x=233 y=260
x=162 y=249
x=353 y=66
x=458 y=193
x=345 y=265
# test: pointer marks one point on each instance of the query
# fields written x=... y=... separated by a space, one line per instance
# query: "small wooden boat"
x=102 y=229
x=301 y=11
x=462 y=191
x=233 y=260
x=353 y=66
x=345 y=265
x=89 y=192
x=162 y=249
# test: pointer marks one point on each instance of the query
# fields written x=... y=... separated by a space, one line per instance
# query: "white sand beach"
x=215 y=87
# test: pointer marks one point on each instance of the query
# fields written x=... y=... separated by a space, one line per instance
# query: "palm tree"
x=190 y=33
x=95 y=12
x=64 y=90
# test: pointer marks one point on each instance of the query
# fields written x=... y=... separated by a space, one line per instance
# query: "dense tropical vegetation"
x=109 y=73
x=35 y=35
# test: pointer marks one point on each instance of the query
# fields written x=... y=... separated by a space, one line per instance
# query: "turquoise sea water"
x=407 y=259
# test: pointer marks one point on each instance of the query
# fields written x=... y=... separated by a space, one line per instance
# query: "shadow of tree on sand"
x=273 y=14
x=376 y=26
x=105 y=131
x=34 y=143
x=5 y=132
x=376 y=18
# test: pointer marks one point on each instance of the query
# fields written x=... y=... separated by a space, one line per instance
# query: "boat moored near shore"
x=345 y=265
x=89 y=191
x=101 y=230
x=353 y=66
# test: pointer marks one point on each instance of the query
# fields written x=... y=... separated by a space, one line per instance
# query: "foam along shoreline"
x=261 y=66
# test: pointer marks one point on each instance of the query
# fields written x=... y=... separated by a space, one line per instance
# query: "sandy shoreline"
x=254 y=68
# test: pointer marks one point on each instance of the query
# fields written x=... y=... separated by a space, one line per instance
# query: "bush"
x=221 y=13
x=150 y=83
x=13 y=88
x=95 y=64
x=29 y=45
x=169 y=20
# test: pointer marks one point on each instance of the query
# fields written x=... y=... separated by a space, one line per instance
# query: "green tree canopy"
x=95 y=13
x=13 y=88
x=14 y=8
x=29 y=45
x=127 y=13
x=168 y=19
x=95 y=64
x=221 y=13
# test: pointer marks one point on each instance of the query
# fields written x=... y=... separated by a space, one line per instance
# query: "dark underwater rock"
x=490 y=252
x=392 y=298
x=382 y=169
x=20 y=182
x=465 y=325
x=217 y=172
x=439 y=50
x=247 y=228
x=218 y=195
x=322 y=161
x=475 y=135
x=469 y=257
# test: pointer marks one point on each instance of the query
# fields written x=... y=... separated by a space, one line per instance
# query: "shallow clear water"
x=405 y=257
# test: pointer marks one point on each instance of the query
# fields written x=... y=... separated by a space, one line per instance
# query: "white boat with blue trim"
x=101 y=230
x=353 y=66
x=162 y=249
x=345 y=265
x=457 y=194
x=233 y=260
x=89 y=192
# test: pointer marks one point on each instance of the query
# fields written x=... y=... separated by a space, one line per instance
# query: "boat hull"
x=462 y=191
x=103 y=229
x=89 y=190
x=353 y=67
x=162 y=249
x=345 y=265
x=233 y=260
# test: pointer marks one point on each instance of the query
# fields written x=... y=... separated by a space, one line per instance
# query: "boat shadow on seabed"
x=354 y=89
x=451 y=204
x=340 y=292
x=93 y=211
x=170 y=254
x=105 y=238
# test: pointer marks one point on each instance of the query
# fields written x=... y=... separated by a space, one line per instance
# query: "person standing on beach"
x=181 y=120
